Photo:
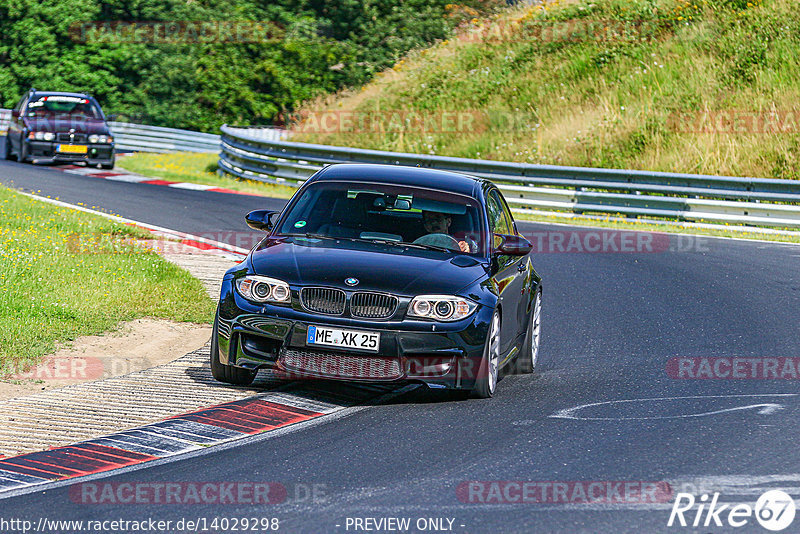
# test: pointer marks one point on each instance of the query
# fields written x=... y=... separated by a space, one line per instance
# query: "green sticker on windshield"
x=299 y=224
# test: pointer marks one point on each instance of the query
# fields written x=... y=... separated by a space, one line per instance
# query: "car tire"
x=227 y=373
x=7 y=151
x=530 y=349
x=488 y=371
x=22 y=155
x=108 y=166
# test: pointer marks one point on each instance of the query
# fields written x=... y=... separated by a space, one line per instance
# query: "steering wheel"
x=471 y=244
x=438 y=240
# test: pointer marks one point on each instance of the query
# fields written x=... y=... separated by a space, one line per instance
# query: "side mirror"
x=260 y=219
x=15 y=113
x=111 y=117
x=513 y=245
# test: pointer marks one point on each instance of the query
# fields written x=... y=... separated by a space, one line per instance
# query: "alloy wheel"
x=536 y=329
x=494 y=352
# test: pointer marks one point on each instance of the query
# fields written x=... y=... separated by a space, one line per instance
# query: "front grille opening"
x=335 y=365
x=323 y=300
x=77 y=138
x=260 y=347
x=372 y=305
x=424 y=366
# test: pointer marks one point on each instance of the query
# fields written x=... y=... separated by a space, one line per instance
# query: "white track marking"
x=194 y=187
x=765 y=409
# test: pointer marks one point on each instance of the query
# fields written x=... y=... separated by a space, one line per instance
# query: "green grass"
x=196 y=168
x=620 y=101
x=65 y=273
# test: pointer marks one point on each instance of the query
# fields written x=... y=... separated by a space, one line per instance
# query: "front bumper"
x=47 y=152
x=444 y=355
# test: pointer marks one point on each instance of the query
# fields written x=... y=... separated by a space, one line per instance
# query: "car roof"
x=398 y=174
x=60 y=93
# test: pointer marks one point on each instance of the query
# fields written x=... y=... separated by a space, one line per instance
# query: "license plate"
x=349 y=339
x=73 y=149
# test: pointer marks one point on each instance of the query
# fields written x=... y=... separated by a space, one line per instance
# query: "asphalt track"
x=612 y=322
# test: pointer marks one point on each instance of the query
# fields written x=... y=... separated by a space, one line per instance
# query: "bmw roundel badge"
x=351 y=281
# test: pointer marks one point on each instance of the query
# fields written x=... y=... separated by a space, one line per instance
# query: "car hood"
x=392 y=269
x=65 y=124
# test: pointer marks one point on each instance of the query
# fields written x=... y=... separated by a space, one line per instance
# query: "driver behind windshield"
x=439 y=223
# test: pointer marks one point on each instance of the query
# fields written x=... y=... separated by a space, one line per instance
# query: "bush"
x=313 y=47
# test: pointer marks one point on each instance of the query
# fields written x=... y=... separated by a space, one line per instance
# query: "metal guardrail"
x=143 y=138
x=688 y=197
x=5 y=116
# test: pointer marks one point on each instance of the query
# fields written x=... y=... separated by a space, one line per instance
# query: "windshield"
x=62 y=105
x=388 y=213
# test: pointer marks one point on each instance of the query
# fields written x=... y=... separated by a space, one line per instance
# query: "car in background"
x=382 y=273
x=57 y=127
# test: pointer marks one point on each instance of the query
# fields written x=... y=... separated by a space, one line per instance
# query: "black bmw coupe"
x=383 y=273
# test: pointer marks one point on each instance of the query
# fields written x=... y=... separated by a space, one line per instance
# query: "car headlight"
x=441 y=307
x=42 y=136
x=103 y=139
x=263 y=289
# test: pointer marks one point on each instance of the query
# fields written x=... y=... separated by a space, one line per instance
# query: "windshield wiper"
x=310 y=235
x=422 y=246
x=373 y=240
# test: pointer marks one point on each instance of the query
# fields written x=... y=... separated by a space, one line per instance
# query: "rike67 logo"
x=774 y=510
